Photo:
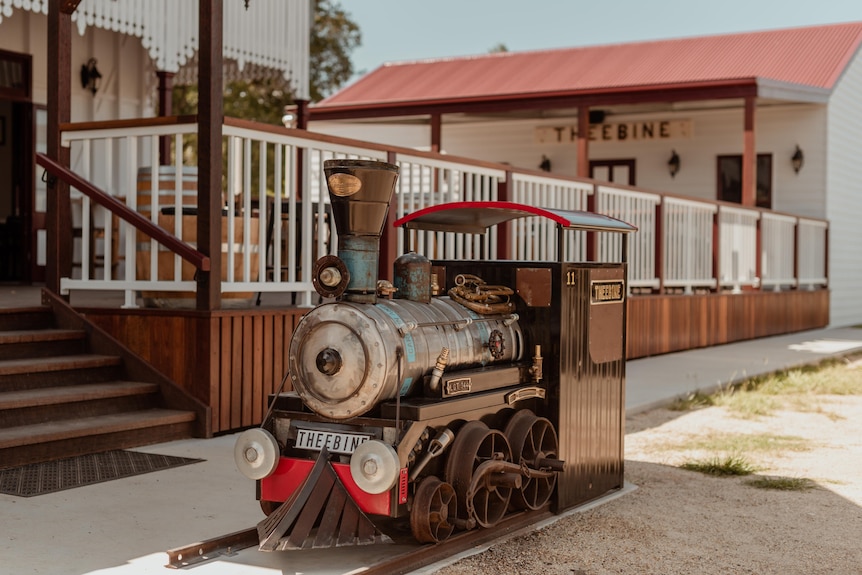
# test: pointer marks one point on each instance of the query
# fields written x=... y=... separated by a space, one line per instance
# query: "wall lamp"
x=545 y=166
x=673 y=163
x=797 y=159
x=91 y=78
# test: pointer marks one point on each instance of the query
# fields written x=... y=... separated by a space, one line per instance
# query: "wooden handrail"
x=118 y=208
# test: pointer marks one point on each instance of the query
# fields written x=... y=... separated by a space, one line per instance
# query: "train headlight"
x=256 y=453
x=374 y=466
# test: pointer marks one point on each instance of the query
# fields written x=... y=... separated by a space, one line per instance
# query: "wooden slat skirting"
x=231 y=359
x=666 y=323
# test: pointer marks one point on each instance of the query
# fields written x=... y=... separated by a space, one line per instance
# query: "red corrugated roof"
x=812 y=56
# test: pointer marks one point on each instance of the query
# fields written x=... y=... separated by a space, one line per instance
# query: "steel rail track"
x=421 y=556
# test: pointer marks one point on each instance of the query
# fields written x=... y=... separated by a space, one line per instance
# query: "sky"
x=403 y=30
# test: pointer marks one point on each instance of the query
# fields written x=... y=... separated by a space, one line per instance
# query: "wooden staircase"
x=67 y=388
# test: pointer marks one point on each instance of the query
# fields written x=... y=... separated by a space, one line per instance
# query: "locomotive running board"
x=322 y=496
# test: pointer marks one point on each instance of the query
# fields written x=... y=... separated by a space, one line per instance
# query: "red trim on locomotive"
x=291 y=473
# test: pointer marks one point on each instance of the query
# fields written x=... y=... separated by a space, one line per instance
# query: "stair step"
x=61 y=395
x=25 y=318
x=40 y=335
x=48 y=342
x=49 y=364
x=91 y=426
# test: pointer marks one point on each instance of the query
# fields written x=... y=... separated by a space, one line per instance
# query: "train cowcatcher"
x=461 y=393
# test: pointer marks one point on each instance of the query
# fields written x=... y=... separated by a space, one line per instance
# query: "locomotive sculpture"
x=465 y=392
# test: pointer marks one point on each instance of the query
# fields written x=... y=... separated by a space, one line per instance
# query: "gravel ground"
x=685 y=522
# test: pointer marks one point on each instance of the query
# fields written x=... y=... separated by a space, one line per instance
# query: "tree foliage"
x=334 y=36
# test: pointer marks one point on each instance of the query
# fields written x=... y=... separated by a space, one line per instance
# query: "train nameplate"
x=610 y=291
x=458 y=386
x=335 y=442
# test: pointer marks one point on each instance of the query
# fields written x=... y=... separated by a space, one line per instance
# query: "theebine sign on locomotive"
x=433 y=410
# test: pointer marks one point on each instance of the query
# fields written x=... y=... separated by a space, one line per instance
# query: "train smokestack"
x=360 y=192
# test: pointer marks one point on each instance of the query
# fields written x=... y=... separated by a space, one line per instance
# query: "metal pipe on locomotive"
x=465 y=392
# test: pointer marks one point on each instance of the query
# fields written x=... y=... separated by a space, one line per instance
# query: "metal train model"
x=457 y=396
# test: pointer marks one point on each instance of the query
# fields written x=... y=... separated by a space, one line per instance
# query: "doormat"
x=61 y=474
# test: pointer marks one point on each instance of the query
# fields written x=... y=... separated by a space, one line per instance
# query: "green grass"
x=692 y=401
x=795 y=389
x=727 y=466
x=744 y=443
x=782 y=483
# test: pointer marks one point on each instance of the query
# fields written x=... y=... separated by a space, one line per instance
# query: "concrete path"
x=124 y=527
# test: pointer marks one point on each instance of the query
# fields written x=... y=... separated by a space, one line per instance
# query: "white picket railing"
x=638 y=209
x=777 y=235
x=737 y=235
x=811 y=258
x=424 y=182
x=284 y=168
x=535 y=238
x=688 y=244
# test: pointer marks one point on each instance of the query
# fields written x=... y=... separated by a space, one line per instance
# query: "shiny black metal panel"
x=591 y=406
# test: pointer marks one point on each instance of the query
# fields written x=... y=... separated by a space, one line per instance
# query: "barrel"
x=165 y=259
x=165 y=189
x=166 y=206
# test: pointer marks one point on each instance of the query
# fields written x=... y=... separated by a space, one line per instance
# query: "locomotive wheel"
x=434 y=503
x=532 y=439
x=475 y=444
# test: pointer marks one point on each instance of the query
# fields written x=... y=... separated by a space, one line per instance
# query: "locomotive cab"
x=466 y=391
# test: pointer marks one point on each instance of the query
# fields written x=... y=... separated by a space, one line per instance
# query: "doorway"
x=17 y=172
x=617 y=171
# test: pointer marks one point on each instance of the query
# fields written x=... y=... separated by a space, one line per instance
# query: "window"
x=730 y=180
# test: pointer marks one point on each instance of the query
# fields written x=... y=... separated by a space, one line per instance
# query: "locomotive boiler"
x=459 y=394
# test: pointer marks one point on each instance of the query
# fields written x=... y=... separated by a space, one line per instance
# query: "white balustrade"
x=274 y=176
x=737 y=233
x=424 y=182
x=638 y=209
x=777 y=251
x=688 y=228
x=811 y=262
x=535 y=238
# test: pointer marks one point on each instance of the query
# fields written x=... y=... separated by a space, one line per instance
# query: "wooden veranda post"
x=210 y=117
x=59 y=220
x=749 y=157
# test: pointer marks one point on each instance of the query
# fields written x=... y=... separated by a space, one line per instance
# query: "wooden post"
x=58 y=217
x=749 y=157
x=166 y=86
x=584 y=142
x=210 y=118
x=436 y=132
x=389 y=239
x=504 y=238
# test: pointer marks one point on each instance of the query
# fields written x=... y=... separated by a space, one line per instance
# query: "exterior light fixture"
x=673 y=163
x=797 y=159
x=91 y=78
x=545 y=166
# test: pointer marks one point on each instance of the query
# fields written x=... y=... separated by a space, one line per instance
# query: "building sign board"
x=644 y=130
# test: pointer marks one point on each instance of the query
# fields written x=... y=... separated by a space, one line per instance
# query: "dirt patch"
x=679 y=521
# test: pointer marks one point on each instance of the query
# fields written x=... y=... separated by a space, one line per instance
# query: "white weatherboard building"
x=785 y=100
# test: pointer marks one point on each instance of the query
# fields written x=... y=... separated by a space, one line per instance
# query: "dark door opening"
x=729 y=186
x=17 y=171
x=617 y=171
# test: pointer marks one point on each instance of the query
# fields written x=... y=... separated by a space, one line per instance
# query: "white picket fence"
x=674 y=248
